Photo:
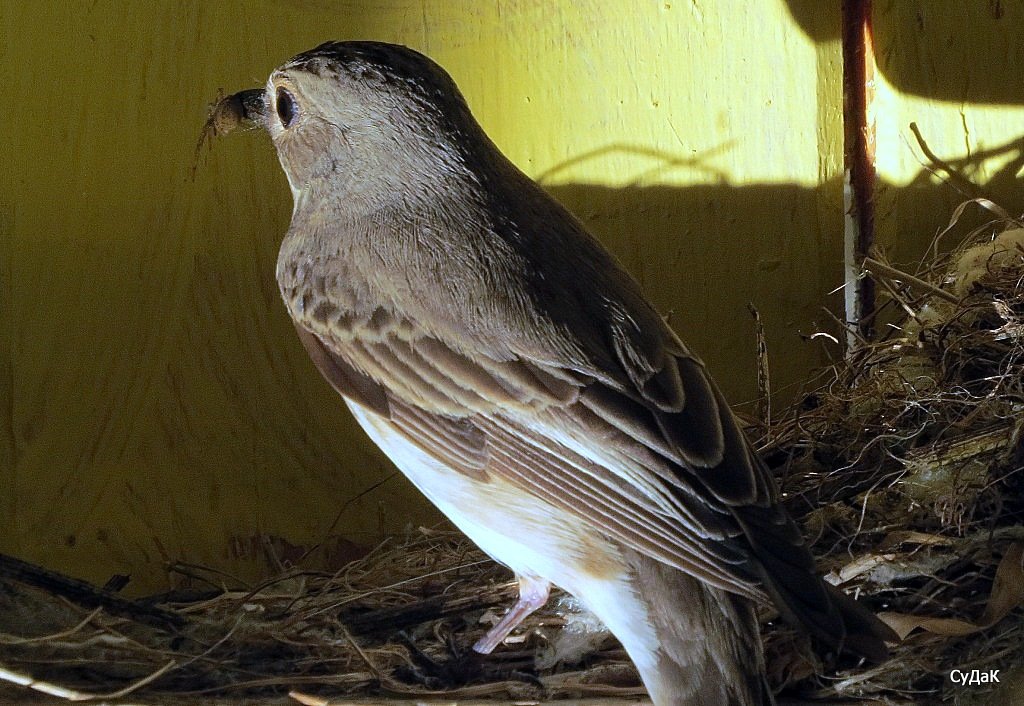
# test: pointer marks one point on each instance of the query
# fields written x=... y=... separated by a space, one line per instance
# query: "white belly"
x=522 y=532
x=527 y=535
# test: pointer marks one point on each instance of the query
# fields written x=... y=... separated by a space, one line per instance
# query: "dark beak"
x=245 y=109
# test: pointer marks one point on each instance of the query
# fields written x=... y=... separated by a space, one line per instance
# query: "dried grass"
x=399 y=621
x=903 y=466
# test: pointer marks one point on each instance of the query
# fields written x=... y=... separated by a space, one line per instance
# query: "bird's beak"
x=251 y=107
x=245 y=109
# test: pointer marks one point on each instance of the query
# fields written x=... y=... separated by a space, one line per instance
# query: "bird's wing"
x=632 y=435
x=591 y=450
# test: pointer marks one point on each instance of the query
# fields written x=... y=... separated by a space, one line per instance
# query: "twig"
x=400 y=617
x=87 y=595
x=764 y=385
x=846 y=326
x=41 y=686
x=134 y=686
x=63 y=634
x=371 y=665
x=880 y=268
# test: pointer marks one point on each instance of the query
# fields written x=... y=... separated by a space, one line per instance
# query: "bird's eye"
x=287 y=109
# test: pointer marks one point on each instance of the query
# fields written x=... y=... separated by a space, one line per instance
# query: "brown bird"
x=511 y=368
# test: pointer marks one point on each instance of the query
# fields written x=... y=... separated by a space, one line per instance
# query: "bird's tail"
x=803 y=598
x=863 y=633
x=709 y=642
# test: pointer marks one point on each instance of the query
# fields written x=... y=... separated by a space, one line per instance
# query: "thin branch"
x=880 y=268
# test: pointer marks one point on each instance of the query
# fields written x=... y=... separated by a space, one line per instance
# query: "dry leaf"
x=858 y=566
x=1007 y=593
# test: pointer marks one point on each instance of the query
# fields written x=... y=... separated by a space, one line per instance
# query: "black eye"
x=287 y=109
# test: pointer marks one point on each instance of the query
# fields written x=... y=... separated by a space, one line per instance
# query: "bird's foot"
x=533 y=594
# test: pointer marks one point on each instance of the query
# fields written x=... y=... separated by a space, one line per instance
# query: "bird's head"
x=366 y=120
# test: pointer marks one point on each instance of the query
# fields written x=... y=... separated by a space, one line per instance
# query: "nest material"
x=400 y=621
x=904 y=468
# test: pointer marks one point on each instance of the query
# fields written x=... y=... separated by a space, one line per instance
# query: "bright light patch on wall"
x=979 y=140
x=683 y=109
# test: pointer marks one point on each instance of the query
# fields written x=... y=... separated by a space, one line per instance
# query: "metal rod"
x=859 y=157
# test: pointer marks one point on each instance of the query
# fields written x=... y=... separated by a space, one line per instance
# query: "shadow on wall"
x=783 y=239
x=921 y=49
x=929 y=199
x=777 y=247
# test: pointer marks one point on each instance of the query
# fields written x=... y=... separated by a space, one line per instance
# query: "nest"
x=399 y=621
x=903 y=466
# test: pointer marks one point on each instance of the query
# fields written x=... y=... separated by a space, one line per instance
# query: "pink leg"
x=533 y=593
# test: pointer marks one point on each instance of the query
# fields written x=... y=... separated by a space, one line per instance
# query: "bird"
x=514 y=371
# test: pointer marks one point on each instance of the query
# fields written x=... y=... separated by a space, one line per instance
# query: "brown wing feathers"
x=343 y=377
x=784 y=565
x=475 y=434
x=686 y=488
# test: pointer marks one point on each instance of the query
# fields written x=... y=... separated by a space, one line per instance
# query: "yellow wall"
x=953 y=68
x=154 y=403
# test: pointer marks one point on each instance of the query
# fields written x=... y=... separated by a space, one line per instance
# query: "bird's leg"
x=533 y=594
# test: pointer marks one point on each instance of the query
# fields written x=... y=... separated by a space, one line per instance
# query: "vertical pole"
x=859 y=157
